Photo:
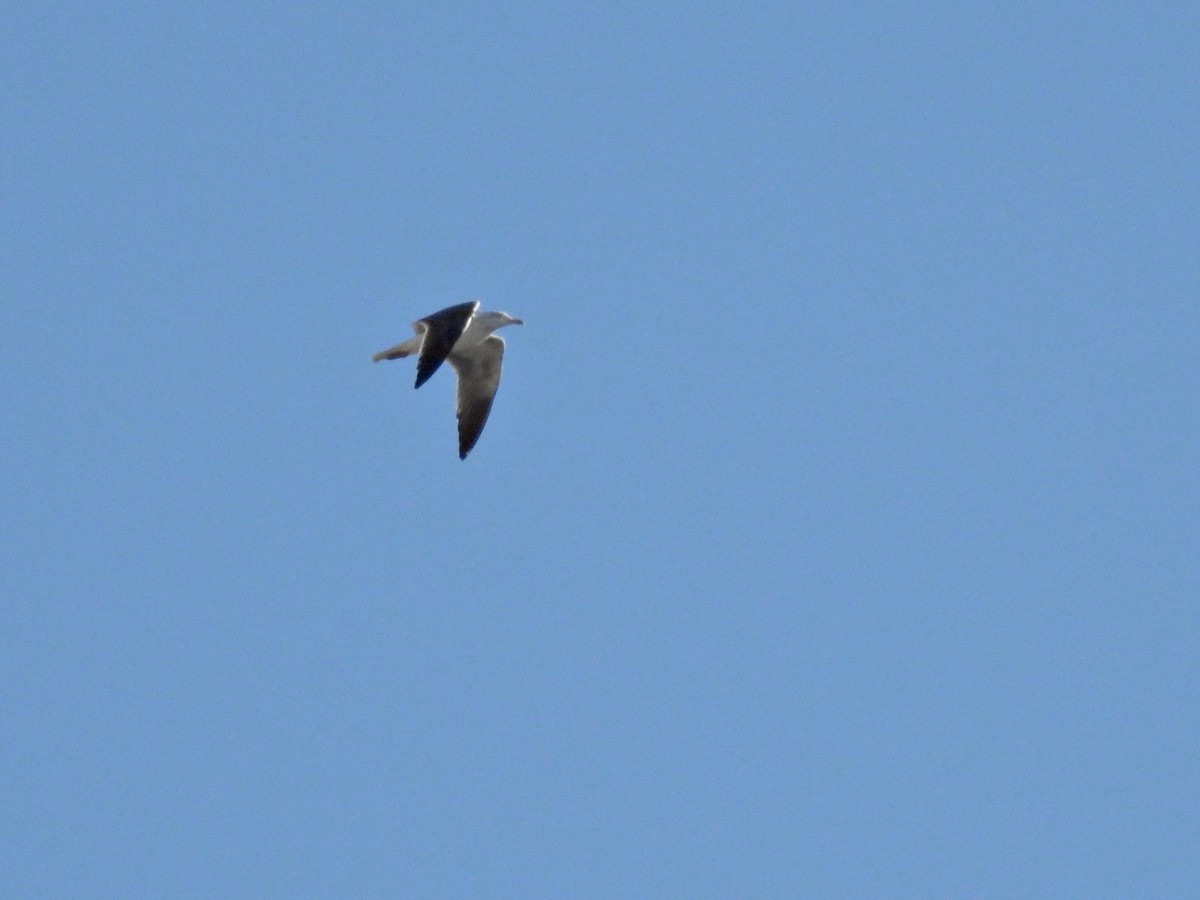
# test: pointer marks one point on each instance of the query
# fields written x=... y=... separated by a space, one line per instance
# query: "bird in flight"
x=463 y=335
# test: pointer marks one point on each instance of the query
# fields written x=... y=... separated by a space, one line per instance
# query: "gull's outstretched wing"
x=442 y=330
x=478 y=371
x=435 y=336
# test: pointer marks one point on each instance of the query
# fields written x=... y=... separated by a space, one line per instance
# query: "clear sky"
x=836 y=529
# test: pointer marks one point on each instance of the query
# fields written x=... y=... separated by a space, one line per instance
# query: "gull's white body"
x=479 y=327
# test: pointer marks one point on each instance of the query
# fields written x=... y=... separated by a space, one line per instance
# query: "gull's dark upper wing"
x=442 y=329
x=478 y=378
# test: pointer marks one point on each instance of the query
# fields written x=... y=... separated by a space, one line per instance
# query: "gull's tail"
x=408 y=348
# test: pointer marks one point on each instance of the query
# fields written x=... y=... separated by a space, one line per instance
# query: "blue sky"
x=835 y=530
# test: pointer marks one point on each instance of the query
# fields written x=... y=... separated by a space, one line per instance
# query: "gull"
x=463 y=335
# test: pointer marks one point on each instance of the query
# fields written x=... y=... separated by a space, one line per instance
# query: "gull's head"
x=494 y=320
